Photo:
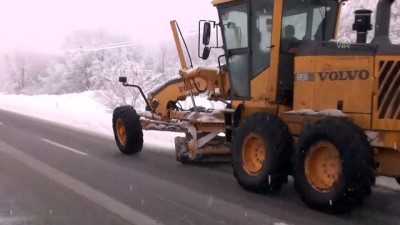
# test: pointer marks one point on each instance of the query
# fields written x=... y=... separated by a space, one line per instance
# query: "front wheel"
x=127 y=129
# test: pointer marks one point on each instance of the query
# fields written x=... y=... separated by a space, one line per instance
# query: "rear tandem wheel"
x=333 y=166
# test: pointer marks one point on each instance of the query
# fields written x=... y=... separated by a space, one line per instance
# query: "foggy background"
x=42 y=25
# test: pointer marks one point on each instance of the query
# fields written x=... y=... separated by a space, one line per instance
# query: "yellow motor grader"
x=301 y=100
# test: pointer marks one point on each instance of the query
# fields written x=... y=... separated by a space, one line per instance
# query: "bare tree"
x=15 y=64
x=163 y=54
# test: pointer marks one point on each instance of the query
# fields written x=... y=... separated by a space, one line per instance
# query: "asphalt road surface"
x=50 y=174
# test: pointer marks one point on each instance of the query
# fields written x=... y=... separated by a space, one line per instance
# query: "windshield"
x=234 y=20
x=311 y=20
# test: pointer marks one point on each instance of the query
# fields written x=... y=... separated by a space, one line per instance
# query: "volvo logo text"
x=344 y=75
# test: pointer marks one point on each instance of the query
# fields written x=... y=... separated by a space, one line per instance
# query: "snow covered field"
x=76 y=110
x=79 y=110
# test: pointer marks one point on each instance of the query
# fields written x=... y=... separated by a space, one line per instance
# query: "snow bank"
x=79 y=110
x=85 y=112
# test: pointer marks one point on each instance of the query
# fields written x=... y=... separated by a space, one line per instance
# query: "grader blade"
x=183 y=154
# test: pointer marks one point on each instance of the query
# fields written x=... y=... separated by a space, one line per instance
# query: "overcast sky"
x=41 y=25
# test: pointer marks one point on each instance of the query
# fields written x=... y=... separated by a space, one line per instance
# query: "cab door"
x=234 y=18
x=246 y=27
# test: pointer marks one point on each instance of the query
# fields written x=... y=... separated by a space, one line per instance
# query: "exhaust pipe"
x=382 y=22
x=362 y=24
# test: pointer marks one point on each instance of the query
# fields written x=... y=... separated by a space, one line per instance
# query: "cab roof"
x=217 y=2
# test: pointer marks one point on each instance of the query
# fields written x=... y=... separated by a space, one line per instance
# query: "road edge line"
x=64 y=147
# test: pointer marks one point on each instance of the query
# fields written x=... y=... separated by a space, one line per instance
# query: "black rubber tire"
x=279 y=143
x=369 y=163
x=133 y=128
x=357 y=166
x=398 y=180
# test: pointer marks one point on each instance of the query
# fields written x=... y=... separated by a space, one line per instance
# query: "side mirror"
x=122 y=79
x=231 y=25
x=206 y=33
x=206 y=53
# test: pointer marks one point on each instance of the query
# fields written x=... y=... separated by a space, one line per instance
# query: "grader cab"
x=301 y=101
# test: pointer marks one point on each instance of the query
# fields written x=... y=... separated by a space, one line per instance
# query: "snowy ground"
x=76 y=110
x=81 y=111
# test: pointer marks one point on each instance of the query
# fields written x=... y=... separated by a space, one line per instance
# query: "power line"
x=115 y=45
x=100 y=46
x=103 y=47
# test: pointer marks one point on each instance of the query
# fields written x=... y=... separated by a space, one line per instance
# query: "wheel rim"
x=323 y=166
x=121 y=132
x=254 y=154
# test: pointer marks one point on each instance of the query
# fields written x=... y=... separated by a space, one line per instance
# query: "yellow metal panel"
x=389 y=139
x=385 y=124
x=276 y=39
x=389 y=163
x=304 y=90
x=355 y=93
x=259 y=85
x=251 y=107
x=217 y=2
x=174 y=92
x=362 y=120
x=297 y=123
x=283 y=108
x=338 y=21
x=178 y=44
